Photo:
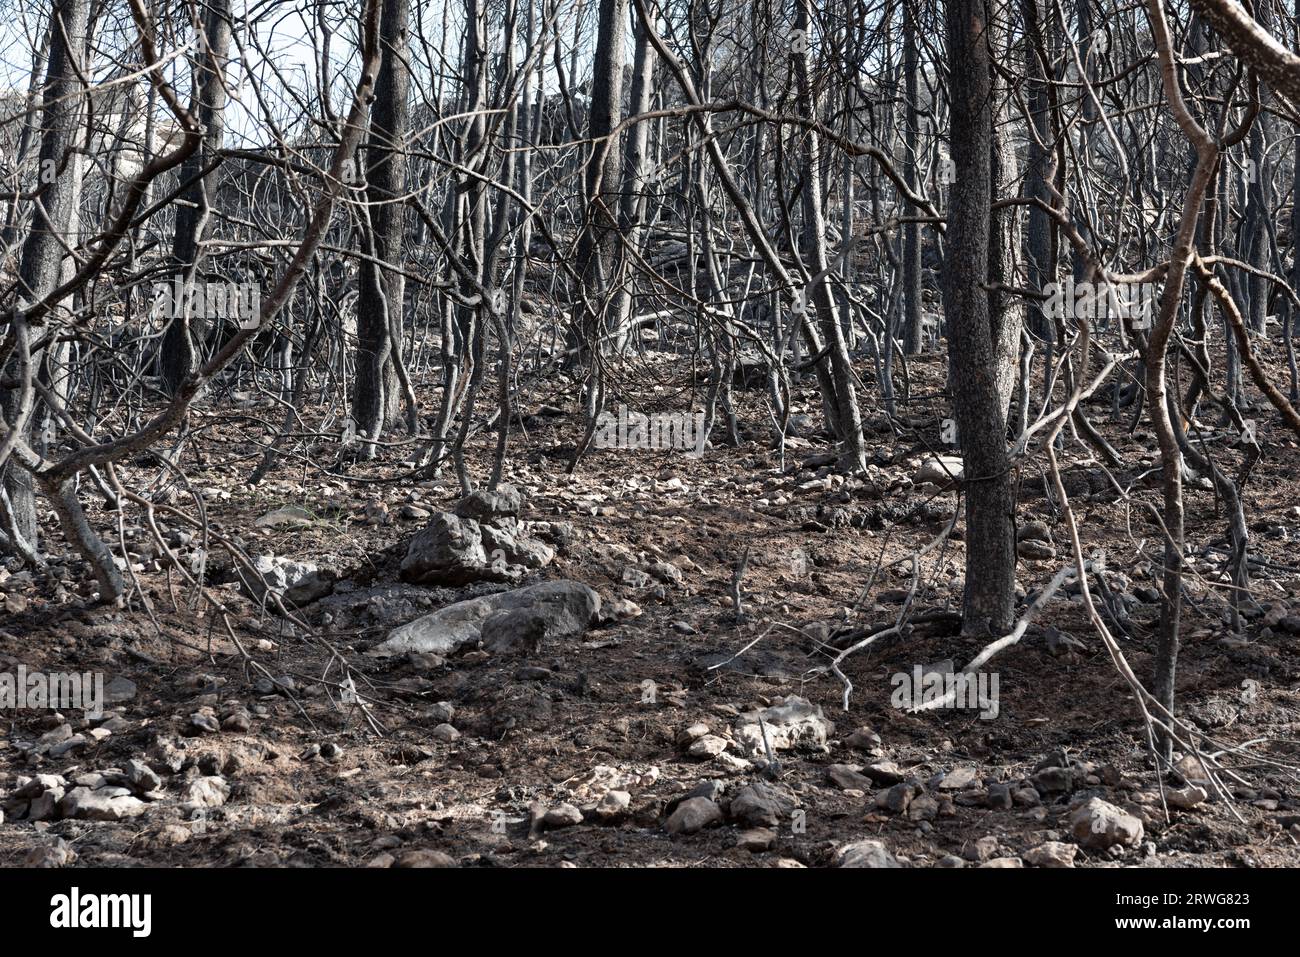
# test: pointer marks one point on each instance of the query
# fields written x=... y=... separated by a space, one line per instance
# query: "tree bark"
x=40 y=266
x=989 y=596
x=381 y=291
x=178 y=354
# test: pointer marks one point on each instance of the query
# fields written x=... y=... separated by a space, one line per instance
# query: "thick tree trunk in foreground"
x=42 y=258
x=381 y=291
x=989 y=598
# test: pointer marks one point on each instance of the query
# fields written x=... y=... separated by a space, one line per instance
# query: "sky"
x=283 y=28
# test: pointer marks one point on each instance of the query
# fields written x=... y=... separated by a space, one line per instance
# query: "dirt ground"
x=294 y=773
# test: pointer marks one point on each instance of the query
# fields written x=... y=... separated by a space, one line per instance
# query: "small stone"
x=211 y=791
x=57 y=854
x=424 y=858
x=999 y=797
x=866 y=854
x=846 y=777
x=201 y=723
x=692 y=815
x=445 y=733
x=142 y=777
x=562 y=815
x=1052 y=854
x=863 y=739
x=1097 y=825
x=756 y=840
x=1004 y=862
x=982 y=850
x=709 y=746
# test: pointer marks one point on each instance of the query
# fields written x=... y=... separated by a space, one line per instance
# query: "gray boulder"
x=455 y=549
x=101 y=804
x=297 y=583
x=484 y=506
x=545 y=612
x=448 y=551
x=508 y=541
x=871 y=853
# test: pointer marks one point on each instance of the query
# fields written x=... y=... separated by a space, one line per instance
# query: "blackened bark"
x=177 y=357
x=597 y=244
x=912 y=315
x=381 y=291
x=988 y=601
x=43 y=250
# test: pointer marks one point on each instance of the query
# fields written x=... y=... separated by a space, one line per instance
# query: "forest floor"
x=509 y=759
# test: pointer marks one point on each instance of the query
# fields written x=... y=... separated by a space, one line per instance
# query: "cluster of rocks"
x=792 y=723
x=758 y=809
x=1034 y=542
x=294 y=582
x=657 y=579
x=1095 y=824
x=1275 y=618
x=603 y=796
x=95 y=796
x=482 y=540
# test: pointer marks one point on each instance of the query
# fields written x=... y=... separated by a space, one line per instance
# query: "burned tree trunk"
x=41 y=264
x=177 y=357
x=989 y=596
x=381 y=290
